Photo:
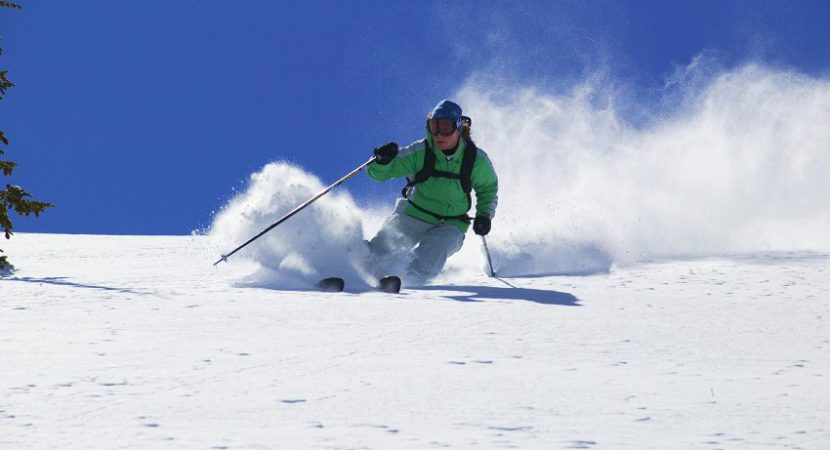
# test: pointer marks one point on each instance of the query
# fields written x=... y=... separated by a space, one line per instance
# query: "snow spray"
x=731 y=162
x=738 y=163
x=325 y=239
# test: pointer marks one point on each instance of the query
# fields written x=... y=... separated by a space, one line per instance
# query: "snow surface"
x=139 y=342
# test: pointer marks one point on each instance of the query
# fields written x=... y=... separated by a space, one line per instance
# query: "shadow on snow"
x=59 y=281
x=482 y=293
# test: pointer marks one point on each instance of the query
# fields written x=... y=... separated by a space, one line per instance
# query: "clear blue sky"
x=141 y=117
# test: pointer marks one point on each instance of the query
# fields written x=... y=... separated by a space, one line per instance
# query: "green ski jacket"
x=438 y=195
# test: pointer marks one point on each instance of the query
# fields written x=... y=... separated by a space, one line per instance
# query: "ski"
x=331 y=284
x=390 y=284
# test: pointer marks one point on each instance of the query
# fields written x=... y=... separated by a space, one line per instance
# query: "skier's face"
x=446 y=142
x=444 y=132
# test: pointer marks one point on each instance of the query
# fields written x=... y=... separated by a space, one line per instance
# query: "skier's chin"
x=443 y=144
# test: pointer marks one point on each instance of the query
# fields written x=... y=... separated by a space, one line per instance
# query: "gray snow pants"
x=393 y=245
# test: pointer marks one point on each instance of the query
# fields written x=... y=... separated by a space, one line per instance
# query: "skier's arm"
x=403 y=165
x=486 y=185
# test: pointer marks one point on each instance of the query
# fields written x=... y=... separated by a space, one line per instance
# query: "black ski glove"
x=481 y=226
x=386 y=153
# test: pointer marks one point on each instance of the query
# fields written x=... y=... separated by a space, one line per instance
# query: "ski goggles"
x=446 y=127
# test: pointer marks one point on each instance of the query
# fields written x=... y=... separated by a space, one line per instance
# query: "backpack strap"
x=429 y=165
x=468 y=161
x=422 y=175
x=463 y=217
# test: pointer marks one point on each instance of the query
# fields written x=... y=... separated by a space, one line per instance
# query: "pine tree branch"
x=14 y=197
x=5 y=83
x=7 y=167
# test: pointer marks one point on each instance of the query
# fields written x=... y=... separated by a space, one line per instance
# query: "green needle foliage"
x=12 y=198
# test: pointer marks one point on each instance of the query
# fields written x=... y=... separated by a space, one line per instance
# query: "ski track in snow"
x=138 y=342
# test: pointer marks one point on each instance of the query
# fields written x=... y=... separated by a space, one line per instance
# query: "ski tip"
x=390 y=284
x=331 y=284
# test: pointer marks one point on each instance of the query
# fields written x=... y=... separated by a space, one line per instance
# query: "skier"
x=431 y=219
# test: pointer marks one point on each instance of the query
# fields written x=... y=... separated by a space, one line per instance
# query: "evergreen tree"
x=12 y=198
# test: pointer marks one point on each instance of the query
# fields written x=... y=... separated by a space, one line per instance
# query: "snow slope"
x=138 y=342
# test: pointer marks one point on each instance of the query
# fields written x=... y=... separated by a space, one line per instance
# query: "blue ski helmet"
x=446 y=109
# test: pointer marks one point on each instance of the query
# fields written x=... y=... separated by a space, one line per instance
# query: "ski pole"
x=298 y=209
x=489 y=261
